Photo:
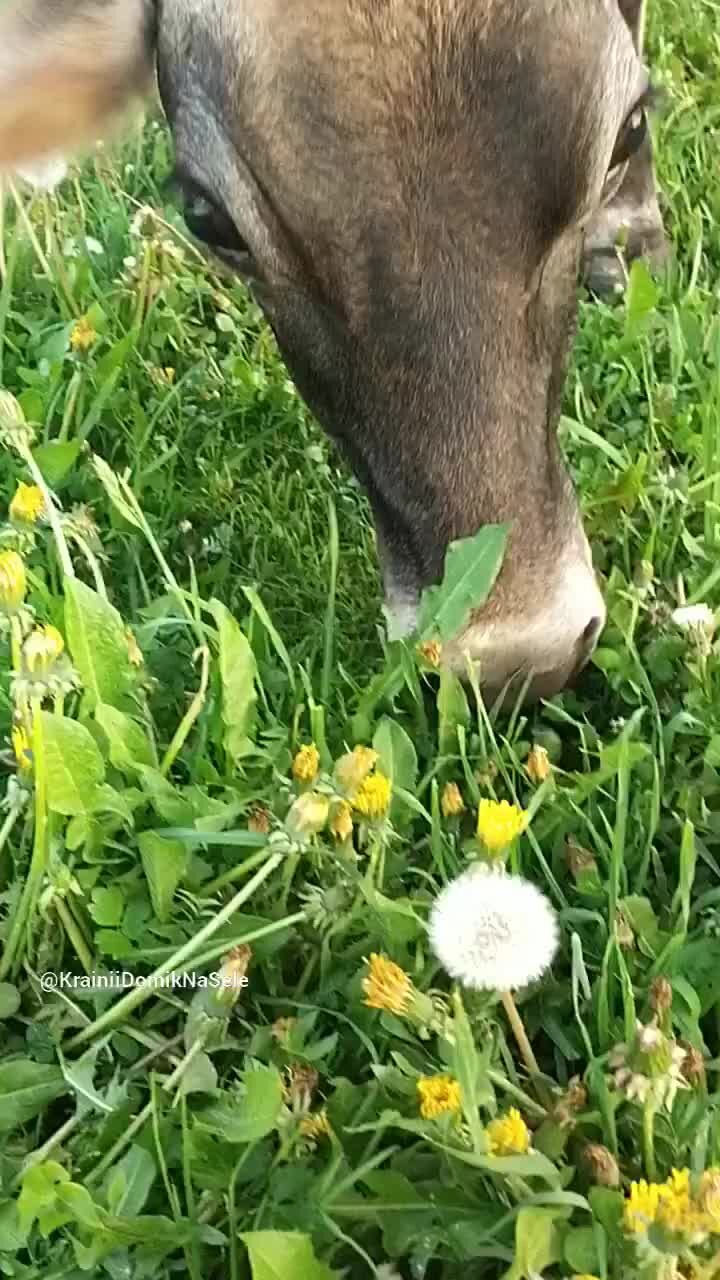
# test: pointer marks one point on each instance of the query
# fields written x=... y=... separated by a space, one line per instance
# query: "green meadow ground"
x=168 y=1135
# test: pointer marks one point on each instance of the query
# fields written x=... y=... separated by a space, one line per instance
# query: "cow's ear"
x=65 y=67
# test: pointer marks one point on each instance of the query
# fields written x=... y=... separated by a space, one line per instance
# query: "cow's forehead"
x=478 y=94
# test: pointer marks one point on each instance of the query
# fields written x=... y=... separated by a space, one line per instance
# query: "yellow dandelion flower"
x=641 y=1206
x=373 y=796
x=316 y=1126
x=352 y=769
x=508 y=1135
x=308 y=814
x=451 y=801
x=13 y=583
x=430 y=651
x=28 y=505
x=341 y=823
x=42 y=649
x=499 y=823
x=306 y=764
x=22 y=749
x=387 y=986
x=438 y=1096
x=538 y=764
x=83 y=336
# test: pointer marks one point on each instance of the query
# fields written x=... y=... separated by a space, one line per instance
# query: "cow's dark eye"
x=210 y=223
x=631 y=137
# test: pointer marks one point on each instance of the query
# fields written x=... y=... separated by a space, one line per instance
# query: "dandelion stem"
x=648 y=1130
x=50 y=510
x=41 y=849
x=5 y=833
x=518 y=1028
x=69 y=925
x=191 y=715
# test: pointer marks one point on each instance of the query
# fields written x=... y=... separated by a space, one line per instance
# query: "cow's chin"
x=534 y=655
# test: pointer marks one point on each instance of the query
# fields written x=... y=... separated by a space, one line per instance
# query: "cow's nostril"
x=592 y=631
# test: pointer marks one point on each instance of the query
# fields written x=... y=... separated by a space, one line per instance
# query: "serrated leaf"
x=130 y=1182
x=471 y=567
x=26 y=1088
x=238 y=673
x=130 y=748
x=251 y=1116
x=79 y=1076
x=97 y=644
x=74 y=768
x=164 y=863
x=283 y=1255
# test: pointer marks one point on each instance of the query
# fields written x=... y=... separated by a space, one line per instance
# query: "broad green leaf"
x=536 y=1242
x=166 y=800
x=164 y=863
x=471 y=567
x=200 y=1077
x=397 y=759
x=9 y=1000
x=130 y=748
x=641 y=298
x=56 y=459
x=251 y=1116
x=129 y=1183
x=238 y=672
x=12 y=1234
x=97 y=644
x=283 y=1255
x=26 y=1088
x=581 y=1251
x=107 y=906
x=73 y=765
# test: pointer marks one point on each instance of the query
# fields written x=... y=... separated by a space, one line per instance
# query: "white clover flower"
x=694 y=616
x=45 y=174
x=493 y=931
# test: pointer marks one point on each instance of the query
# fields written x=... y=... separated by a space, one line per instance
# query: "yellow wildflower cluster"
x=499 y=823
x=438 y=1096
x=508 y=1135
x=674 y=1206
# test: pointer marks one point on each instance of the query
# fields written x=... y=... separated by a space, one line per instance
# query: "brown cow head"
x=405 y=184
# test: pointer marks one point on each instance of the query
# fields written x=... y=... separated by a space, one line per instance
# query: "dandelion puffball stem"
x=518 y=1028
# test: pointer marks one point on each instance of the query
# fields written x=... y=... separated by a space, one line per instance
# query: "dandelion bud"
x=13 y=583
x=623 y=932
x=538 y=765
x=661 y=995
x=233 y=977
x=306 y=764
x=692 y=1066
x=259 y=821
x=451 y=801
x=41 y=650
x=644 y=575
x=14 y=430
x=28 y=505
x=308 y=815
x=352 y=769
x=341 y=823
x=601 y=1165
x=301 y=1086
x=134 y=651
x=387 y=986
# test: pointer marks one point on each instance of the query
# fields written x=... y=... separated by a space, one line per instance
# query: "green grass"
x=148 y=1135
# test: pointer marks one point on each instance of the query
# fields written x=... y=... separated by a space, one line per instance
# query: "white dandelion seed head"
x=694 y=616
x=493 y=931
